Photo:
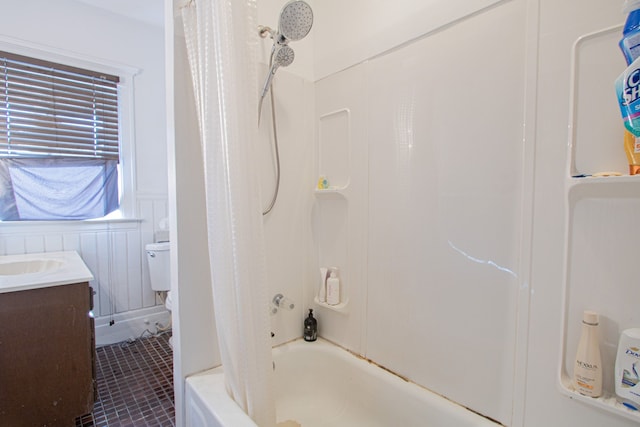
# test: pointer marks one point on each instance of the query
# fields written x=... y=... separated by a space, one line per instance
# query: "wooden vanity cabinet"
x=47 y=356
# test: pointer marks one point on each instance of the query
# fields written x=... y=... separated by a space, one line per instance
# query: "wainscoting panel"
x=113 y=251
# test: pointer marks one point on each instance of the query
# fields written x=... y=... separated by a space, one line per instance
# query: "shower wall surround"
x=452 y=226
x=586 y=226
x=427 y=225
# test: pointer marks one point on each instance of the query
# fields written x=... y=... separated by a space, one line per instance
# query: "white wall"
x=194 y=334
x=431 y=211
x=463 y=283
x=287 y=228
x=351 y=32
x=602 y=262
x=112 y=250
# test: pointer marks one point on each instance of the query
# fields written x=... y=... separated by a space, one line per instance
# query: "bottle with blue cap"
x=627 y=379
x=630 y=43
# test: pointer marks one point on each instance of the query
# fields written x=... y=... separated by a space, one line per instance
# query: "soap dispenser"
x=310 y=327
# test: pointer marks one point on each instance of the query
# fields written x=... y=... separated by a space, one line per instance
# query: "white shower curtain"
x=222 y=38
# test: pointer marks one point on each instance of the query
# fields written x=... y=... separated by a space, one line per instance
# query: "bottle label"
x=588 y=366
x=585 y=377
x=627 y=87
x=630 y=377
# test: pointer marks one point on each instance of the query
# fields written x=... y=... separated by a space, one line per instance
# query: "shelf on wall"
x=340 y=308
x=599 y=262
x=624 y=186
x=606 y=402
x=330 y=192
x=595 y=126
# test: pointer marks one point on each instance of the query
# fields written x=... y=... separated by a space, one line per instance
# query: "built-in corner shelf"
x=622 y=187
x=340 y=308
x=330 y=192
x=331 y=211
x=600 y=265
x=606 y=402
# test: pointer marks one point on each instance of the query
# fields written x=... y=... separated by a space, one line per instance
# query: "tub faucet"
x=280 y=301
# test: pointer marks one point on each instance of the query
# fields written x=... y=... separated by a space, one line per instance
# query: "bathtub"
x=320 y=384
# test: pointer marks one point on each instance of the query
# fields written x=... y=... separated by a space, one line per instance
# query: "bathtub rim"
x=209 y=388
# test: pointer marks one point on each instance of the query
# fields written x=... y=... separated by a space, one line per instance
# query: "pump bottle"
x=310 y=327
x=333 y=289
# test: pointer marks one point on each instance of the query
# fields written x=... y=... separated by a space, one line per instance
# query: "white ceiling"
x=148 y=11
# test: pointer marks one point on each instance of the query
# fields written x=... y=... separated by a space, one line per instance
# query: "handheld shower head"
x=296 y=20
x=283 y=56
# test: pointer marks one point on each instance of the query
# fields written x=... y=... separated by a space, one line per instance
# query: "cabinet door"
x=46 y=356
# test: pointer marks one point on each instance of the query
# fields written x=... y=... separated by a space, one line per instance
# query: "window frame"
x=126 y=128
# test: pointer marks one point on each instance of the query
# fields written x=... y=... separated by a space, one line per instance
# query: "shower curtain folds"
x=222 y=43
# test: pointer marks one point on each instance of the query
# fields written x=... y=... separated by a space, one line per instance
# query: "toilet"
x=159 y=270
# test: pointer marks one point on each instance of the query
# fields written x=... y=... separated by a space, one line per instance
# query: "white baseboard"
x=130 y=325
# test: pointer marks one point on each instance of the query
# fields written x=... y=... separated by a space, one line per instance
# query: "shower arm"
x=263 y=31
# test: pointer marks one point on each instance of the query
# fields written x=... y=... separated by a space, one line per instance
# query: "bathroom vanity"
x=47 y=342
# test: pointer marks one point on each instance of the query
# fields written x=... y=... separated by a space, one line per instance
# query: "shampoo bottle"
x=587 y=370
x=333 y=289
x=630 y=47
x=310 y=327
x=627 y=367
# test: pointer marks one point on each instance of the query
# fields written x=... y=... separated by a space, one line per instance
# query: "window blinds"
x=53 y=110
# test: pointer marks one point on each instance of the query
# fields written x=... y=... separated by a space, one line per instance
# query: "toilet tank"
x=158 y=261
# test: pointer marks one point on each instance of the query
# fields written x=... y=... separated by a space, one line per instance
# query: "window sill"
x=91 y=224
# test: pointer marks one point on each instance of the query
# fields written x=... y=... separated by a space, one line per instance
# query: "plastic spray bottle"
x=630 y=46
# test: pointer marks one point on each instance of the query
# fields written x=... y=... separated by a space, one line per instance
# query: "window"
x=59 y=141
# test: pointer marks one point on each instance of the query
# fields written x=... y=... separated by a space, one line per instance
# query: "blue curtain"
x=57 y=189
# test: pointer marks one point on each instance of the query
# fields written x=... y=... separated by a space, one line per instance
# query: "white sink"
x=28 y=267
x=39 y=270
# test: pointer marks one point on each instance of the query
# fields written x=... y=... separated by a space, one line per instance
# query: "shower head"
x=296 y=19
x=282 y=56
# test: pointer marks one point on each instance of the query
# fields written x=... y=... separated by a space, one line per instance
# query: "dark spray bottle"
x=310 y=327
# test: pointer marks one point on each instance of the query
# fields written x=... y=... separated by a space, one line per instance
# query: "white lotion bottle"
x=322 y=293
x=333 y=289
x=587 y=369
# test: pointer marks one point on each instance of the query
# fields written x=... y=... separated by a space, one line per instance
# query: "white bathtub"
x=319 y=384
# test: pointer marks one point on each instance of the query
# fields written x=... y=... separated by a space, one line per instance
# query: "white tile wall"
x=432 y=209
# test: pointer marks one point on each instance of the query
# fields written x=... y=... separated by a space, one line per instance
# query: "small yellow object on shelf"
x=323 y=184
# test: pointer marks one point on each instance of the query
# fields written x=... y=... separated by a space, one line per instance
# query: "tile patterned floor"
x=135 y=385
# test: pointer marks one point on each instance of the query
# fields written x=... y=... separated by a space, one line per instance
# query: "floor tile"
x=135 y=385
